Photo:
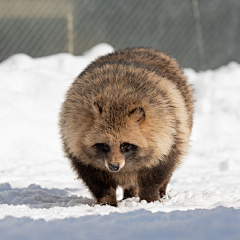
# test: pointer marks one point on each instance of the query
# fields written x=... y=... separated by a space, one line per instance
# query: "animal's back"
x=151 y=60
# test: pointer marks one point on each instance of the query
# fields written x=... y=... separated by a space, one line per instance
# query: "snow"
x=219 y=223
x=38 y=187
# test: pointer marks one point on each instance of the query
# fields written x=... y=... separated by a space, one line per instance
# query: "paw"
x=150 y=198
x=113 y=204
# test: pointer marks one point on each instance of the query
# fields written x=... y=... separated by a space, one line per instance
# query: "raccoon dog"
x=126 y=121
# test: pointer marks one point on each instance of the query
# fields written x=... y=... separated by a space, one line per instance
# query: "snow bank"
x=219 y=223
x=36 y=178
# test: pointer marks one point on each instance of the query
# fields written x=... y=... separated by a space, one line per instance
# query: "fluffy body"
x=126 y=121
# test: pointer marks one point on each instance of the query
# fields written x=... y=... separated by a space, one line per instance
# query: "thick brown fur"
x=131 y=109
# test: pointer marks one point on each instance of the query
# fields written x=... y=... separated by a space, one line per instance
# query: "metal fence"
x=199 y=33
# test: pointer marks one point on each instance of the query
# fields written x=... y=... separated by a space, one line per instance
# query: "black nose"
x=113 y=167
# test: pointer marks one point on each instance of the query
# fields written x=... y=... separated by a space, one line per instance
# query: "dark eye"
x=102 y=147
x=126 y=147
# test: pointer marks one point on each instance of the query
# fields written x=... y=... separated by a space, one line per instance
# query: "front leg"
x=105 y=195
x=100 y=183
x=130 y=192
x=103 y=188
x=153 y=182
x=149 y=191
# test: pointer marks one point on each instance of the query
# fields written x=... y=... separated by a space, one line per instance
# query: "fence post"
x=198 y=27
x=70 y=46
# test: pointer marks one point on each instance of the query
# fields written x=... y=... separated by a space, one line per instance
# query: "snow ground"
x=219 y=223
x=38 y=188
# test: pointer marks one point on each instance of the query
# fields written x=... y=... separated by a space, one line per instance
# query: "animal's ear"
x=97 y=107
x=138 y=114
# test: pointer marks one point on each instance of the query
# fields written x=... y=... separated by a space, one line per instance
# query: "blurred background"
x=200 y=34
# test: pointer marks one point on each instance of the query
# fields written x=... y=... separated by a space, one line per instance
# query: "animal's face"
x=116 y=155
x=115 y=139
